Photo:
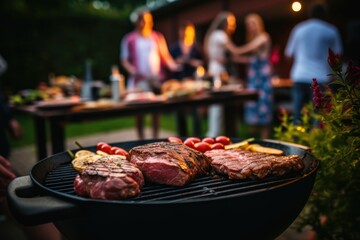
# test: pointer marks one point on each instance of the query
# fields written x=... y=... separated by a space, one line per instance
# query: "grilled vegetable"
x=262 y=149
x=83 y=152
x=80 y=163
x=239 y=145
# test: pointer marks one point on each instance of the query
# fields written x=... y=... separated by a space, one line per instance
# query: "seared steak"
x=110 y=177
x=241 y=164
x=169 y=163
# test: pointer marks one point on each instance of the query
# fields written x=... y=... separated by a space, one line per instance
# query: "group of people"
x=148 y=60
x=146 y=57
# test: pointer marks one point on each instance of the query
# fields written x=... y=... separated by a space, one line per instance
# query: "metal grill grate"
x=60 y=180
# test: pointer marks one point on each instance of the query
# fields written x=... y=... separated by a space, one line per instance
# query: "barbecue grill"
x=207 y=207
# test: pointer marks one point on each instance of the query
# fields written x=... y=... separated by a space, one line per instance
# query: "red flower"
x=320 y=101
x=275 y=56
x=334 y=61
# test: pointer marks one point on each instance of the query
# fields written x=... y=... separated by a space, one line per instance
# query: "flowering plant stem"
x=333 y=208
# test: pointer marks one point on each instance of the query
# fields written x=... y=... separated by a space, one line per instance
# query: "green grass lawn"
x=167 y=122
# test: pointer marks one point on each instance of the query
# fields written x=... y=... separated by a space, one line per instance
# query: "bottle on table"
x=117 y=84
x=87 y=82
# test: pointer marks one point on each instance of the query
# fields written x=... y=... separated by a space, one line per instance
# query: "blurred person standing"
x=217 y=43
x=8 y=124
x=188 y=54
x=308 y=46
x=186 y=51
x=256 y=54
x=145 y=55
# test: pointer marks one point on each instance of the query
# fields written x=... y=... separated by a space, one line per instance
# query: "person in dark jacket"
x=188 y=54
x=8 y=124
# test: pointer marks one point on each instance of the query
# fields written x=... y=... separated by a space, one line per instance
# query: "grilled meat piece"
x=110 y=177
x=241 y=164
x=169 y=163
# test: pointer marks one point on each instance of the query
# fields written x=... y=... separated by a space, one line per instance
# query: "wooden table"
x=59 y=118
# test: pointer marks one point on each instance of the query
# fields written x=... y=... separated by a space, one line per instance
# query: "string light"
x=296 y=6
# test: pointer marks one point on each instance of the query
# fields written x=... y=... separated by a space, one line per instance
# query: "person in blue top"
x=307 y=47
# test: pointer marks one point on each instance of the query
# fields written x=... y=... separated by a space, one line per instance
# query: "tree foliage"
x=39 y=37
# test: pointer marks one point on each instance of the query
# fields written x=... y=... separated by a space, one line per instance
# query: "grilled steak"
x=110 y=177
x=169 y=163
x=241 y=164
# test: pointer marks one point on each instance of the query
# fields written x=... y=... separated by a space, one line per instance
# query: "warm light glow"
x=148 y=24
x=200 y=72
x=189 y=35
x=296 y=6
x=231 y=21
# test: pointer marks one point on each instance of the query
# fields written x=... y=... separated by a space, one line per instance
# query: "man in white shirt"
x=308 y=46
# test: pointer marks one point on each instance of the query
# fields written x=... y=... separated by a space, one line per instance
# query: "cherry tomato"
x=118 y=151
x=105 y=148
x=193 y=139
x=208 y=140
x=223 y=139
x=189 y=143
x=217 y=146
x=121 y=152
x=202 y=146
x=175 y=139
x=99 y=145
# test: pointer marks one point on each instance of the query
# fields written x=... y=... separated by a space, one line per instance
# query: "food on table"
x=173 y=88
x=110 y=177
x=169 y=163
x=242 y=164
x=141 y=97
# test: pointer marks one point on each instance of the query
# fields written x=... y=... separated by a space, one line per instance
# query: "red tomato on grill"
x=106 y=148
x=223 y=139
x=118 y=151
x=175 y=139
x=217 y=146
x=189 y=143
x=193 y=139
x=103 y=146
x=208 y=140
x=99 y=145
x=202 y=146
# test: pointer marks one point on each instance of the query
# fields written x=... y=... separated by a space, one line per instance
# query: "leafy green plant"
x=333 y=209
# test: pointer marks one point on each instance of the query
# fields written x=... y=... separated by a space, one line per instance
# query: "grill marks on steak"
x=110 y=177
x=241 y=164
x=169 y=163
